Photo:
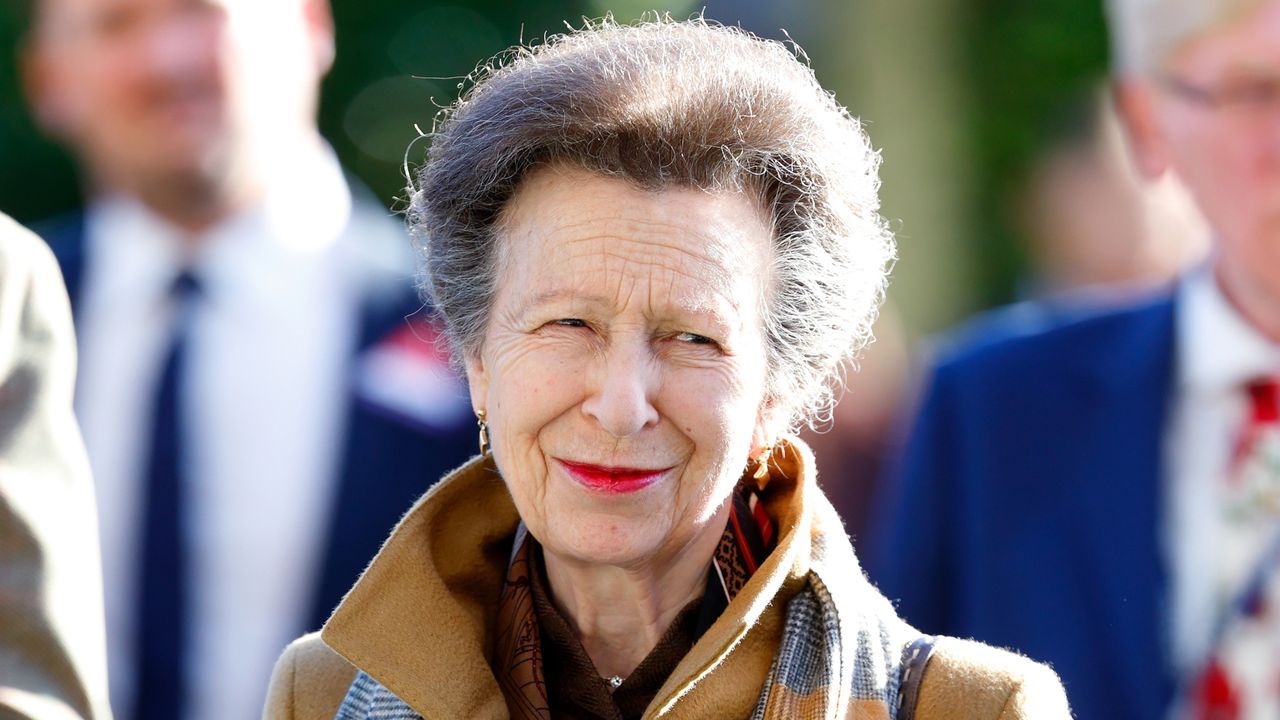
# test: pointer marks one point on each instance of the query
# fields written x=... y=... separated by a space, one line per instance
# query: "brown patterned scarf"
x=518 y=663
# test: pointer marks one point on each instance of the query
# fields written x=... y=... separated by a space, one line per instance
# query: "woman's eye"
x=693 y=338
x=569 y=322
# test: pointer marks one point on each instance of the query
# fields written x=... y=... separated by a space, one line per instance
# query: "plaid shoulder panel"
x=367 y=699
x=801 y=677
x=806 y=677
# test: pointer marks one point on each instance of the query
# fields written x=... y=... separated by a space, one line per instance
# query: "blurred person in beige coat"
x=52 y=656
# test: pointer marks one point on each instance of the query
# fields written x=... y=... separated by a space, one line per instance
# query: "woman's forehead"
x=579 y=234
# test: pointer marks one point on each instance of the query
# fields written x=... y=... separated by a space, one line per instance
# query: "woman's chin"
x=606 y=541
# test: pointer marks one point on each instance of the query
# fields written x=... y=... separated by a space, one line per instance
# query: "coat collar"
x=425 y=607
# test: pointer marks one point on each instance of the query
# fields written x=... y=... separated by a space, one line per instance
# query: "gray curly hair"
x=662 y=104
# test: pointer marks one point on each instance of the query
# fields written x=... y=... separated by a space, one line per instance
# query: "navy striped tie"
x=163 y=601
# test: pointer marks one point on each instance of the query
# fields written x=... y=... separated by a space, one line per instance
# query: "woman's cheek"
x=706 y=393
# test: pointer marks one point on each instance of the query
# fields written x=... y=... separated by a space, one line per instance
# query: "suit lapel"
x=1118 y=512
x=353 y=506
x=388 y=460
x=66 y=237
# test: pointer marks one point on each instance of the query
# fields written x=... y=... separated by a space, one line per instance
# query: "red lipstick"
x=612 y=480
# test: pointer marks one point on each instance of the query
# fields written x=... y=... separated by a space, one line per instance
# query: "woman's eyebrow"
x=705 y=311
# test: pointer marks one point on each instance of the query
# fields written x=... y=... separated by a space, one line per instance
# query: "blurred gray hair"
x=1144 y=32
x=670 y=104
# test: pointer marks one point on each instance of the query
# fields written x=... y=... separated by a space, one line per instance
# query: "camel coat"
x=420 y=621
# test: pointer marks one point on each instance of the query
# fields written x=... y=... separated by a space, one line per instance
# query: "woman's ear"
x=477 y=381
x=1136 y=105
x=45 y=100
x=768 y=427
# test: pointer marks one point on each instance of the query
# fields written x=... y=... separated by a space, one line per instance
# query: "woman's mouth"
x=613 y=480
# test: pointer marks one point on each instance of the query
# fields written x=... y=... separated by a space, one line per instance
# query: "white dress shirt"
x=1218 y=354
x=265 y=392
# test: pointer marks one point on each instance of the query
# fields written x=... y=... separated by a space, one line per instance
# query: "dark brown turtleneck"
x=575 y=689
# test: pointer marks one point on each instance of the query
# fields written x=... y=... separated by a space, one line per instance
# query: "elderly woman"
x=653 y=247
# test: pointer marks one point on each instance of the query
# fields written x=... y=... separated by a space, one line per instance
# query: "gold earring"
x=761 y=474
x=484 y=431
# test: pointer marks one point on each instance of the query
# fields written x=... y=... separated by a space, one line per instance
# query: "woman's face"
x=623 y=368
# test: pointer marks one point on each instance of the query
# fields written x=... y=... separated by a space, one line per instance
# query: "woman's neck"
x=620 y=613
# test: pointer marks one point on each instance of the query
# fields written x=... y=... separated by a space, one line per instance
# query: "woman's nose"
x=620 y=396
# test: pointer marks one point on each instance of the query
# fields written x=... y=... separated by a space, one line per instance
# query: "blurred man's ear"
x=319 y=18
x=39 y=88
x=1136 y=106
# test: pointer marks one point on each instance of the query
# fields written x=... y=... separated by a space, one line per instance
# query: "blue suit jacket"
x=388 y=460
x=1025 y=510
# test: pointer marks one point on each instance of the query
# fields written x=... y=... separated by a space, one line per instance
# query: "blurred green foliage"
x=1028 y=63
x=36 y=178
x=399 y=62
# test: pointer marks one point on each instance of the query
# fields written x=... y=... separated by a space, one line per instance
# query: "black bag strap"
x=915 y=657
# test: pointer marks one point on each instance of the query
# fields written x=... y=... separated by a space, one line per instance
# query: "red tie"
x=1220 y=692
x=1264 y=396
x=1264 y=410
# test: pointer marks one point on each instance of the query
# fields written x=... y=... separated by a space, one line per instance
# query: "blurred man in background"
x=256 y=408
x=53 y=663
x=1102 y=489
x=1092 y=225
